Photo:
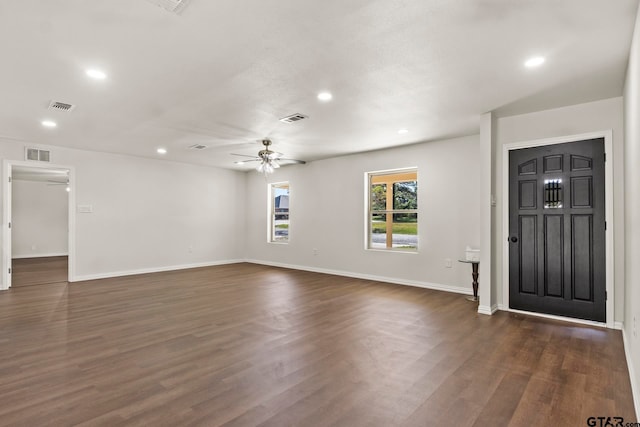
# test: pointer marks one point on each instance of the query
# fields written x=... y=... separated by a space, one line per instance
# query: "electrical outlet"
x=448 y=263
x=33 y=247
x=315 y=251
x=190 y=249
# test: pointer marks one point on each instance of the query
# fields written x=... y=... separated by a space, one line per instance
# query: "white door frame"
x=609 y=237
x=6 y=205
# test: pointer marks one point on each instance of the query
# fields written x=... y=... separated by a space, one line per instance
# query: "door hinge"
x=9 y=270
x=605 y=157
x=605 y=225
x=606 y=296
x=9 y=179
x=9 y=224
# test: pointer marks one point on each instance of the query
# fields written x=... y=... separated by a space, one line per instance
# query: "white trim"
x=417 y=284
x=109 y=275
x=560 y=318
x=635 y=390
x=485 y=293
x=7 y=167
x=6 y=216
x=609 y=237
x=485 y=309
x=38 y=255
x=618 y=326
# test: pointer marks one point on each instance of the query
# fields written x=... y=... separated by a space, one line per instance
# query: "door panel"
x=553 y=255
x=528 y=252
x=556 y=229
x=582 y=257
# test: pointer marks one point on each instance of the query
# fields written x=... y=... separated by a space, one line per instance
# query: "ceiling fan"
x=269 y=160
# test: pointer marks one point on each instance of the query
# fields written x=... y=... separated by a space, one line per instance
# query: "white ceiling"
x=223 y=72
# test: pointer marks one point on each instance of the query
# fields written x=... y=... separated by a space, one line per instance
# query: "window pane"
x=378 y=197
x=553 y=193
x=281 y=228
x=405 y=231
x=378 y=236
x=405 y=195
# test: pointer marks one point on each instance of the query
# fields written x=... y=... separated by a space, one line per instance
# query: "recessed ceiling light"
x=325 y=96
x=49 y=123
x=96 y=74
x=161 y=151
x=402 y=131
x=535 y=61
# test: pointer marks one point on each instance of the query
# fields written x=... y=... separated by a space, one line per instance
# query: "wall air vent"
x=294 y=118
x=174 y=6
x=61 y=106
x=37 y=155
x=197 y=147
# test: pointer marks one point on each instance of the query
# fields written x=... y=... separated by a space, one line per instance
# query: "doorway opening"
x=38 y=243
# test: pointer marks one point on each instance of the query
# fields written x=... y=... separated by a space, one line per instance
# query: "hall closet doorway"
x=38 y=224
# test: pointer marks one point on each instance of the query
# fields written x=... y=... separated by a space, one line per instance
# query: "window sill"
x=395 y=251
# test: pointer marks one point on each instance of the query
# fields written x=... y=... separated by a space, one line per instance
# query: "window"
x=392 y=211
x=279 y=212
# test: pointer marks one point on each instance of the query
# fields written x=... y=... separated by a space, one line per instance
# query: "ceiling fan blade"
x=240 y=162
x=299 y=162
x=275 y=155
x=244 y=155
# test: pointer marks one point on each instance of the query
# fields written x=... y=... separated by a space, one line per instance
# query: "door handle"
x=513 y=239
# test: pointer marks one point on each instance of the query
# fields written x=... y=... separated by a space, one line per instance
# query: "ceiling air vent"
x=61 y=106
x=294 y=118
x=175 y=6
x=37 y=155
x=197 y=147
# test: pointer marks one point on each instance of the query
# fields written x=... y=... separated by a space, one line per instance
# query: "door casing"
x=6 y=206
x=609 y=237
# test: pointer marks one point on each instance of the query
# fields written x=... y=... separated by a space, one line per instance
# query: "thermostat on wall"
x=85 y=208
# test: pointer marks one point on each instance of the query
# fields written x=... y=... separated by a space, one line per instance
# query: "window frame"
x=271 y=213
x=369 y=212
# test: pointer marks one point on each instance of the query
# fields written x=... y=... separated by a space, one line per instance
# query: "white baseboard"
x=635 y=391
x=85 y=277
x=414 y=283
x=488 y=310
x=618 y=326
x=14 y=256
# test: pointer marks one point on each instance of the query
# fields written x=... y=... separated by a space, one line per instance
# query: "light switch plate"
x=85 y=208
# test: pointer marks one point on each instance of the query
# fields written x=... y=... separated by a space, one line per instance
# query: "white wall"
x=576 y=119
x=328 y=205
x=39 y=220
x=147 y=213
x=632 y=212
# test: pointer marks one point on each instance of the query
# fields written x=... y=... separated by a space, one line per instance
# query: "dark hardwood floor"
x=248 y=345
x=39 y=271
